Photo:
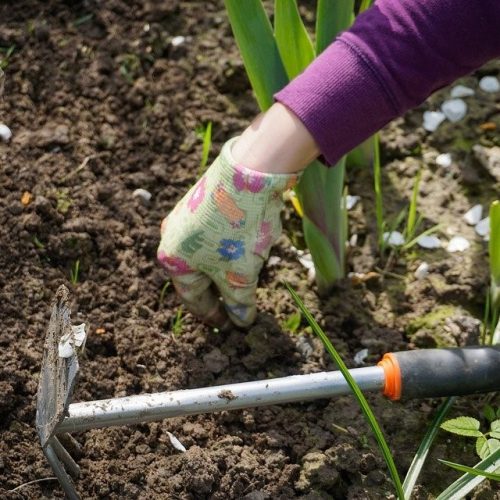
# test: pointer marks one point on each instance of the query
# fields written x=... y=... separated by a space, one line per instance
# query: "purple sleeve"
x=395 y=55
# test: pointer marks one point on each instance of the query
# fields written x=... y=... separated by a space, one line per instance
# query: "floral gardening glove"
x=220 y=234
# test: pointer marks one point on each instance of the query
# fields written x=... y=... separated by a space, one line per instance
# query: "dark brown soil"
x=101 y=103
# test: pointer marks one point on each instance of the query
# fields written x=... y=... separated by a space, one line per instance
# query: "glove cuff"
x=242 y=178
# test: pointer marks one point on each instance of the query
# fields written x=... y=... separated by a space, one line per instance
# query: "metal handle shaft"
x=149 y=407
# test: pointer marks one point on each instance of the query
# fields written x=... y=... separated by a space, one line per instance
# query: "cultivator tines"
x=432 y=372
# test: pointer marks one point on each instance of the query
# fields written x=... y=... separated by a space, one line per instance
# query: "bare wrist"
x=276 y=142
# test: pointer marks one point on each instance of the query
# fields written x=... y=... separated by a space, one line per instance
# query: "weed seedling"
x=5 y=54
x=178 y=322
x=74 y=273
x=129 y=67
x=292 y=323
x=38 y=243
x=163 y=291
x=205 y=134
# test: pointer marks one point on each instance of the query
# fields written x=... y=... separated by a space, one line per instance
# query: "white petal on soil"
x=454 y=109
x=65 y=347
x=483 y=227
x=473 y=216
x=429 y=241
x=360 y=356
x=353 y=241
x=394 y=238
x=176 y=443
x=306 y=261
x=489 y=84
x=311 y=274
x=422 y=271
x=461 y=91
x=458 y=244
x=178 y=40
x=143 y=194
x=350 y=201
x=274 y=260
x=443 y=160
x=5 y=132
x=79 y=334
x=432 y=120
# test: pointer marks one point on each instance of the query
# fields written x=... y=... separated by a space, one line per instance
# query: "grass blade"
x=412 y=211
x=466 y=483
x=379 y=200
x=254 y=36
x=471 y=470
x=494 y=248
x=331 y=19
x=294 y=44
x=427 y=232
x=424 y=448
x=363 y=403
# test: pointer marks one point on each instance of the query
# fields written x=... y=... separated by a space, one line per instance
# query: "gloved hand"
x=220 y=234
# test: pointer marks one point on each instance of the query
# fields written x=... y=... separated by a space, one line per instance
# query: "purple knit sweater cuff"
x=341 y=82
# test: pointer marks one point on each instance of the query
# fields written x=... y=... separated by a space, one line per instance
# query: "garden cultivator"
x=426 y=373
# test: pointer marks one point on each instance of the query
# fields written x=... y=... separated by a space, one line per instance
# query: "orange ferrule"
x=392 y=372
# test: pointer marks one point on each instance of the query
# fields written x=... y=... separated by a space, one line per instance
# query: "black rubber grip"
x=449 y=372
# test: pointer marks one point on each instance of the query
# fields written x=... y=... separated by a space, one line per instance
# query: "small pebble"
x=360 y=356
x=143 y=194
x=351 y=201
x=454 y=109
x=394 y=238
x=473 y=216
x=178 y=40
x=461 y=91
x=422 y=271
x=444 y=160
x=482 y=228
x=458 y=244
x=5 y=132
x=432 y=120
x=489 y=84
x=429 y=242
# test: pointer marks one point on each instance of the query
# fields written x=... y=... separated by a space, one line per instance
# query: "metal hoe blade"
x=55 y=388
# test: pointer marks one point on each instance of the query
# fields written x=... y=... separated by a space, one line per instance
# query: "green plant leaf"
x=463 y=426
x=495 y=429
x=485 y=447
x=423 y=450
x=294 y=44
x=489 y=413
x=254 y=36
x=331 y=19
x=481 y=444
x=363 y=403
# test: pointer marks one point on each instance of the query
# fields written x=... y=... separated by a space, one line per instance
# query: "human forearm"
x=394 y=56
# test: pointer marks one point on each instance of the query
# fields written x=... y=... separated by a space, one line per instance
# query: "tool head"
x=58 y=374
